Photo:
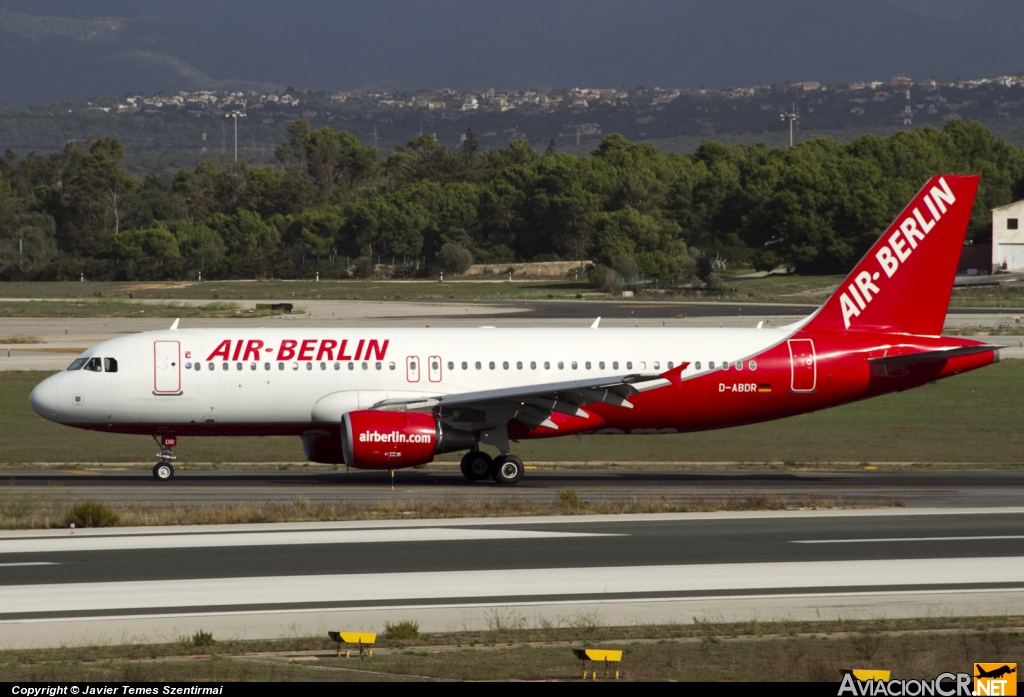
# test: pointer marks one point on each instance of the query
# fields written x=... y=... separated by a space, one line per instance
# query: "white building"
x=1008 y=237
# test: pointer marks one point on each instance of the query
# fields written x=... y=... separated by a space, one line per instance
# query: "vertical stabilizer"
x=903 y=284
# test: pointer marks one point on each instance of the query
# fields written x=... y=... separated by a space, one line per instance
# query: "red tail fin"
x=903 y=284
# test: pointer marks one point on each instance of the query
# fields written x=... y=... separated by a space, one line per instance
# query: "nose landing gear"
x=164 y=470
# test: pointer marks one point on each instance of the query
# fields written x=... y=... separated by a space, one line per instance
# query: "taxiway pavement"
x=155 y=584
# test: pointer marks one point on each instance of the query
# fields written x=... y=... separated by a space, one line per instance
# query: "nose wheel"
x=164 y=470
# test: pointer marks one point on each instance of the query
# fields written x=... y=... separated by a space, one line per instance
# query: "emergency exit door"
x=803 y=366
x=166 y=367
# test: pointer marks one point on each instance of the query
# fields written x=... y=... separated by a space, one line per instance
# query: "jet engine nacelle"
x=394 y=439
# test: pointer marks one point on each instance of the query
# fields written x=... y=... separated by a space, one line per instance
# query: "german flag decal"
x=764 y=388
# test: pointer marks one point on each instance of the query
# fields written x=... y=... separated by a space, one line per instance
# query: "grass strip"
x=21 y=510
x=510 y=649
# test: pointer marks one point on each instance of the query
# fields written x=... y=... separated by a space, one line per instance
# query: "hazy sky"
x=332 y=44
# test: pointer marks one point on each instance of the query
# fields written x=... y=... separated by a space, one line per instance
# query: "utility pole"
x=792 y=116
x=234 y=115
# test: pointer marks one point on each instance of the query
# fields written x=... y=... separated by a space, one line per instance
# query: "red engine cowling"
x=388 y=439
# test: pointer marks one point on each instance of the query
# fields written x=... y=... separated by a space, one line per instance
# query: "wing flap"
x=533 y=405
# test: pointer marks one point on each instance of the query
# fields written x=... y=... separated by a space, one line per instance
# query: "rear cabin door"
x=803 y=365
x=166 y=367
x=412 y=368
x=434 y=368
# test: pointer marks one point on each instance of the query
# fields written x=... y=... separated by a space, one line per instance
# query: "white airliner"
x=389 y=398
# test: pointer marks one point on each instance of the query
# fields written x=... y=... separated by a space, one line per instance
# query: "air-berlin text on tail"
x=301 y=350
x=896 y=249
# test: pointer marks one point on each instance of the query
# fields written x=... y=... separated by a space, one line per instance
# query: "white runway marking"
x=498 y=583
x=32 y=563
x=86 y=543
x=909 y=539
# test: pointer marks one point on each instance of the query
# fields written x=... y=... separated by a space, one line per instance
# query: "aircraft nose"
x=44 y=398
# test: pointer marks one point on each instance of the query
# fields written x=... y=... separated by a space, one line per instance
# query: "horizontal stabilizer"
x=933 y=356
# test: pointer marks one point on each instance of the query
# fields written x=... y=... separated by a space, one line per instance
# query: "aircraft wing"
x=534 y=404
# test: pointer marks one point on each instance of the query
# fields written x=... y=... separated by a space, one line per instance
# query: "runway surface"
x=300 y=579
x=915 y=488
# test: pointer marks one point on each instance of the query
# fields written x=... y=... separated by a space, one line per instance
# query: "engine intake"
x=394 y=439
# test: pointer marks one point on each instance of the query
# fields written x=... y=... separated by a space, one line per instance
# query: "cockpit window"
x=109 y=365
x=94 y=364
x=77 y=364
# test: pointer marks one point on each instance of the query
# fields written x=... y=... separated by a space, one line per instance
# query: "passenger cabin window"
x=696 y=366
x=752 y=365
x=629 y=365
x=504 y=364
x=77 y=363
x=465 y=366
x=739 y=365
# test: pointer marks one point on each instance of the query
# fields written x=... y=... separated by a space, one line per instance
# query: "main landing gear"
x=164 y=470
x=505 y=469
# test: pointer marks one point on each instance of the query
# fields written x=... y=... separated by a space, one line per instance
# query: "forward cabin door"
x=166 y=367
x=434 y=368
x=412 y=368
x=804 y=369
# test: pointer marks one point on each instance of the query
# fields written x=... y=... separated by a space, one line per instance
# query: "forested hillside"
x=334 y=206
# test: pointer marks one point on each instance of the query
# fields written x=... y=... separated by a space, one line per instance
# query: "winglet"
x=675 y=375
x=174 y=327
x=596 y=322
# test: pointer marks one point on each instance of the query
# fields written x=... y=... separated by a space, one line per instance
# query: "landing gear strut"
x=164 y=470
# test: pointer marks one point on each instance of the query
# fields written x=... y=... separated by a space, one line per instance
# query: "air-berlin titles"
x=302 y=350
x=901 y=244
x=394 y=437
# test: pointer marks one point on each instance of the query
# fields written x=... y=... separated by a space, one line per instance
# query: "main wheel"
x=476 y=465
x=507 y=469
x=162 y=471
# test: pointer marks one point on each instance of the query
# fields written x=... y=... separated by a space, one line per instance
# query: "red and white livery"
x=388 y=398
